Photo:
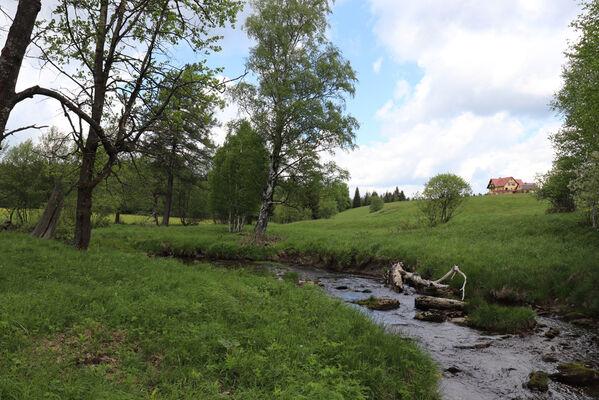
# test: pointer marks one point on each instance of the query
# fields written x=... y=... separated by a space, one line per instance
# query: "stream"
x=494 y=372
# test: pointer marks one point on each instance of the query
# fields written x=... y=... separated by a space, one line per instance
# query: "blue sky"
x=457 y=86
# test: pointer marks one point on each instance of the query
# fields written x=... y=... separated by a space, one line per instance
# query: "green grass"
x=500 y=319
x=106 y=324
x=498 y=241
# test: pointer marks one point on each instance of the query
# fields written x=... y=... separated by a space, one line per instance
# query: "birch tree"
x=302 y=80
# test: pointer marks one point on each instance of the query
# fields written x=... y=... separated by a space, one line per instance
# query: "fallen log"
x=397 y=275
x=393 y=278
x=438 y=303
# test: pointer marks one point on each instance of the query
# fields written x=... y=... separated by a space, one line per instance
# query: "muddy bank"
x=474 y=364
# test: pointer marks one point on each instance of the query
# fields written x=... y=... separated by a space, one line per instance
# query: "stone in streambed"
x=551 y=333
x=379 y=303
x=538 y=381
x=430 y=316
x=549 y=358
x=576 y=375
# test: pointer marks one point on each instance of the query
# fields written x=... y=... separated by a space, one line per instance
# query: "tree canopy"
x=297 y=103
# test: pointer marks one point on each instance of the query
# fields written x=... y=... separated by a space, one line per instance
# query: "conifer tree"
x=357 y=199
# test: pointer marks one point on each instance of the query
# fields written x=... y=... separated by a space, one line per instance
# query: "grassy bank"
x=501 y=242
x=113 y=325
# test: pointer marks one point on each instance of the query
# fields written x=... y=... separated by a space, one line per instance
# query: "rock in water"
x=576 y=375
x=430 y=316
x=379 y=303
x=537 y=380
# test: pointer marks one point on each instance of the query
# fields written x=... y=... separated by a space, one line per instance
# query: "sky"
x=458 y=86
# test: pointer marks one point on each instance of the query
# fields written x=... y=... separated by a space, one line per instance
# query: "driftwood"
x=438 y=303
x=397 y=276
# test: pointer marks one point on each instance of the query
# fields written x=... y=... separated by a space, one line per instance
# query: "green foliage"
x=327 y=207
x=285 y=214
x=376 y=203
x=238 y=176
x=121 y=325
x=357 y=202
x=577 y=101
x=298 y=102
x=441 y=197
x=25 y=183
x=555 y=185
x=500 y=319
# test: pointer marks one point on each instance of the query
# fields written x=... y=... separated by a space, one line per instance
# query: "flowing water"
x=494 y=372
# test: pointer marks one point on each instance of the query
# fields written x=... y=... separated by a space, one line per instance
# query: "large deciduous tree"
x=116 y=53
x=577 y=142
x=298 y=102
x=11 y=58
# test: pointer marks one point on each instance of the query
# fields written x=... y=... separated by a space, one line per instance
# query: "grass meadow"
x=107 y=324
x=504 y=243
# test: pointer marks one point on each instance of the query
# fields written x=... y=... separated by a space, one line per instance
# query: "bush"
x=327 y=208
x=555 y=186
x=376 y=203
x=441 y=197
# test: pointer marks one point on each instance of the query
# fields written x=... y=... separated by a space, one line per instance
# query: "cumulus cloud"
x=481 y=107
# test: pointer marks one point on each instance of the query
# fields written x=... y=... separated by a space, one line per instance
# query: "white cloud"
x=474 y=147
x=481 y=107
x=376 y=66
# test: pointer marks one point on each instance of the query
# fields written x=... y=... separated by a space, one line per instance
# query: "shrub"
x=441 y=197
x=376 y=203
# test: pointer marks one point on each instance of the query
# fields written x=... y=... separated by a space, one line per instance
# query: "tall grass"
x=105 y=324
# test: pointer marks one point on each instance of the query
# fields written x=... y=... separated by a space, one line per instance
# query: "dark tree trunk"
x=11 y=58
x=86 y=184
x=117 y=218
x=46 y=226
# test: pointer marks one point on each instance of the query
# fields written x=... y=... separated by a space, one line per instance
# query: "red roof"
x=499 y=182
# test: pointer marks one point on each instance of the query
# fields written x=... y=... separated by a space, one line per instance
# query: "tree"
x=402 y=196
x=238 y=176
x=24 y=181
x=179 y=141
x=115 y=52
x=555 y=185
x=586 y=186
x=396 y=195
x=297 y=104
x=376 y=203
x=357 y=199
x=441 y=197
x=11 y=58
x=366 y=200
x=573 y=176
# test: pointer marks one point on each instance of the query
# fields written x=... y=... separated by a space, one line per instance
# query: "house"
x=510 y=185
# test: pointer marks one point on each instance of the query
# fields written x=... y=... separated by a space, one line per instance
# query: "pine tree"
x=357 y=199
x=402 y=196
x=396 y=194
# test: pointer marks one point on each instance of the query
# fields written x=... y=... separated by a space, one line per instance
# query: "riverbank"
x=112 y=325
x=511 y=250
